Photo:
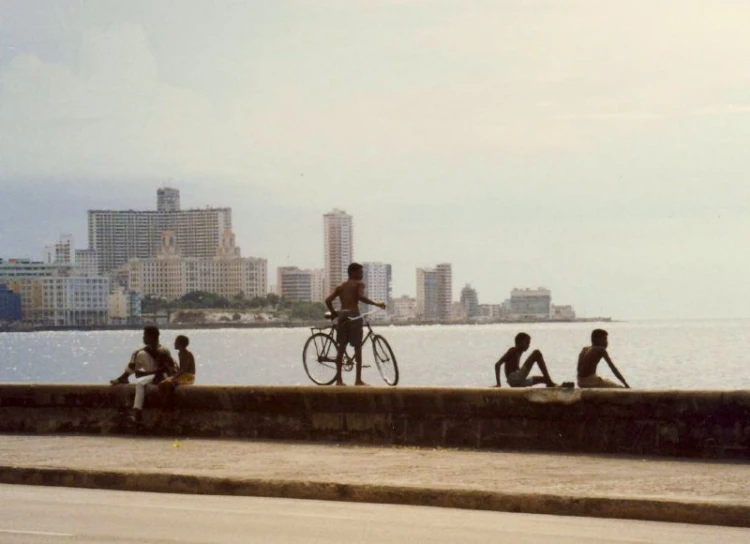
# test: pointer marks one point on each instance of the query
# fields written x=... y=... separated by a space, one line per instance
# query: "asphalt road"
x=36 y=515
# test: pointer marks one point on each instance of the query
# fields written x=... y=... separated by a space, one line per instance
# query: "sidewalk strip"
x=696 y=512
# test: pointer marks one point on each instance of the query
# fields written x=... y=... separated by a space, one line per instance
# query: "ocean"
x=650 y=354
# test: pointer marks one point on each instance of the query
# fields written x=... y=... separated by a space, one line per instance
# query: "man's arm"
x=362 y=298
x=329 y=301
x=614 y=369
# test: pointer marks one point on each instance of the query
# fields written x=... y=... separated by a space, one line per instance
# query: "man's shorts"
x=520 y=377
x=349 y=330
x=597 y=381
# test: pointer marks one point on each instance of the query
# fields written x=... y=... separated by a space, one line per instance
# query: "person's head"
x=151 y=335
x=355 y=271
x=181 y=342
x=599 y=338
x=523 y=341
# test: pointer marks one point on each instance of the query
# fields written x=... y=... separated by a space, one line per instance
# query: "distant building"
x=563 y=313
x=87 y=260
x=170 y=275
x=10 y=305
x=403 y=308
x=118 y=236
x=297 y=285
x=470 y=301
x=55 y=294
x=124 y=307
x=493 y=311
x=377 y=278
x=434 y=293
x=61 y=252
x=458 y=312
x=167 y=200
x=71 y=301
x=531 y=303
x=338 y=237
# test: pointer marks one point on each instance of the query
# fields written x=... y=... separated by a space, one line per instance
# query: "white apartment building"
x=71 y=301
x=403 y=308
x=118 y=236
x=377 y=278
x=338 y=237
x=170 y=275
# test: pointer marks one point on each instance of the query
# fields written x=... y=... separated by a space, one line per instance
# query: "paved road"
x=37 y=515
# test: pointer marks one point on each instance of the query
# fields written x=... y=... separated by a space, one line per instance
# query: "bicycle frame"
x=329 y=330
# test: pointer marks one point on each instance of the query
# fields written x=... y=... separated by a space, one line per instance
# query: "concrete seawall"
x=667 y=423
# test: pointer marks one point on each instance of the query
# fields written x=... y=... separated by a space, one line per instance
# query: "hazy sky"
x=599 y=149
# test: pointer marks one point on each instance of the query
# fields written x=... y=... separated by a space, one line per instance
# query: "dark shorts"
x=349 y=331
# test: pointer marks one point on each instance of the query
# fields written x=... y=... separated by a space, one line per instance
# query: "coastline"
x=284 y=325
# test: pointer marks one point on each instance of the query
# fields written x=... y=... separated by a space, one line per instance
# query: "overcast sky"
x=599 y=149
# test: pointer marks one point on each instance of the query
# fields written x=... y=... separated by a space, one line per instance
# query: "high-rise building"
x=531 y=303
x=470 y=301
x=118 y=236
x=377 y=278
x=427 y=293
x=171 y=275
x=435 y=292
x=339 y=246
x=445 y=291
x=167 y=200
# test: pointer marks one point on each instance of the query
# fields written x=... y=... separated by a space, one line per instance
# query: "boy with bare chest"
x=349 y=329
x=589 y=359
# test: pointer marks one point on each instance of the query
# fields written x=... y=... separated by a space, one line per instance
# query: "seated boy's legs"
x=595 y=381
x=520 y=378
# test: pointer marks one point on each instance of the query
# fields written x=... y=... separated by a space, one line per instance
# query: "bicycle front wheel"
x=319 y=359
x=385 y=360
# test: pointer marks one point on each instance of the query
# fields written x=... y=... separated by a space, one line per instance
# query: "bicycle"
x=320 y=366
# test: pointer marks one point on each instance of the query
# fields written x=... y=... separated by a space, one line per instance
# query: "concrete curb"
x=696 y=512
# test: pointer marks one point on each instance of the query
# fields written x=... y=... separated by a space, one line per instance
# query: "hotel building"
x=118 y=236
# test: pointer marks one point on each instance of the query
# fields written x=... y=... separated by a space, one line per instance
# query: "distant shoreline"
x=290 y=325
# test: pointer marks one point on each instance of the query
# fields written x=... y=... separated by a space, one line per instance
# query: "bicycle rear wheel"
x=319 y=359
x=385 y=360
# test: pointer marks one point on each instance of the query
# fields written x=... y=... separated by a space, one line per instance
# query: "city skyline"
x=526 y=143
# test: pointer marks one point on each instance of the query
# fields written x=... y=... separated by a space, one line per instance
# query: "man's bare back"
x=589 y=359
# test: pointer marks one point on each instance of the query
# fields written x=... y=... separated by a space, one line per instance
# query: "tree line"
x=203 y=300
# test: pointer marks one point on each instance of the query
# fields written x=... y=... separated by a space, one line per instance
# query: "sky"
x=598 y=149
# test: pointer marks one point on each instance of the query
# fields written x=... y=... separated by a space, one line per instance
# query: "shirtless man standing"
x=517 y=375
x=349 y=330
x=590 y=357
